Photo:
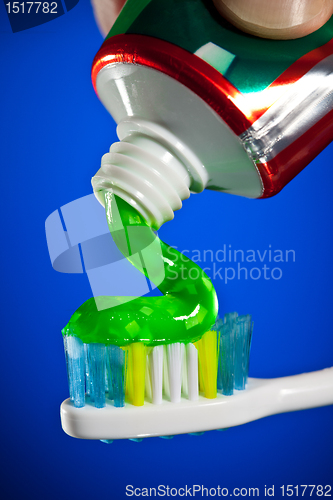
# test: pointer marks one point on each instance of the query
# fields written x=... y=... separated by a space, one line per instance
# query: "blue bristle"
x=87 y=376
x=219 y=373
x=107 y=376
x=74 y=351
x=109 y=371
x=239 y=351
x=117 y=362
x=96 y=357
x=225 y=381
x=69 y=378
x=230 y=318
x=89 y=380
x=234 y=342
x=242 y=350
x=136 y=440
x=107 y=441
x=218 y=323
x=248 y=345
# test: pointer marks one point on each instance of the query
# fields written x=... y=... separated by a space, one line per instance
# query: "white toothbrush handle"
x=263 y=397
x=297 y=392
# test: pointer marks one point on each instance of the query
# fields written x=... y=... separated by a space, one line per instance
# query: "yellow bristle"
x=138 y=368
x=201 y=383
x=207 y=348
x=128 y=387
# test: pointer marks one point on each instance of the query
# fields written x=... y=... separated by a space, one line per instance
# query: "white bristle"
x=192 y=372
x=156 y=373
x=174 y=357
x=166 y=387
x=184 y=371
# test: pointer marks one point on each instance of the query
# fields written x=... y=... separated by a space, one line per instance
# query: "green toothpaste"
x=187 y=309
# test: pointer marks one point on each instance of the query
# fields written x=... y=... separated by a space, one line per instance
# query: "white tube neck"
x=151 y=169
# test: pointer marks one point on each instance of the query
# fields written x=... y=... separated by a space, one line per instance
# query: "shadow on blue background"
x=54 y=131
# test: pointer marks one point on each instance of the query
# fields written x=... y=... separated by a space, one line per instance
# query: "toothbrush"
x=173 y=404
x=262 y=398
x=170 y=370
x=224 y=112
x=181 y=409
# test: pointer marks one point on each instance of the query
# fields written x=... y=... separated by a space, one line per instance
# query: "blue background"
x=53 y=133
